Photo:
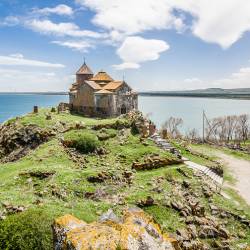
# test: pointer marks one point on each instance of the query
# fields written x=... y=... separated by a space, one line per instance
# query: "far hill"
x=239 y=93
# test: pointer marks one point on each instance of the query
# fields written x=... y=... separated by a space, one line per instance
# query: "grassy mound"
x=83 y=141
x=26 y=231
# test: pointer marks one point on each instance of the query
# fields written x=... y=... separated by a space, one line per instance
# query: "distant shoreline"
x=34 y=93
x=238 y=94
x=198 y=95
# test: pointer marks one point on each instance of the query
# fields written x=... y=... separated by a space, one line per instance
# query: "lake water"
x=159 y=108
x=12 y=105
x=190 y=109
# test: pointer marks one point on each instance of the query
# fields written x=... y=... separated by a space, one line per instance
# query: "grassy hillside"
x=53 y=180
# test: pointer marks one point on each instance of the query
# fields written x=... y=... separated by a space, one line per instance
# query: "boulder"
x=153 y=162
x=207 y=232
x=149 y=201
x=136 y=230
x=48 y=117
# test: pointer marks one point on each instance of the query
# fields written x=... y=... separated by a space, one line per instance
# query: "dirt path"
x=240 y=170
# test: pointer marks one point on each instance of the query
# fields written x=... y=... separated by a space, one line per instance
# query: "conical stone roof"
x=84 y=70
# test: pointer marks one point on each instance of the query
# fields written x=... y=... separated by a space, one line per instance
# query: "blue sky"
x=155 y=45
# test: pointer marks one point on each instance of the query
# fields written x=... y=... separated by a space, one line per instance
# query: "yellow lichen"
x=111 y=235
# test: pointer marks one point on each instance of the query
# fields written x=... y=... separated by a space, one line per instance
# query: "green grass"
x=63 y=192
x=40 y=119
x=209 y=150
x=237 y=154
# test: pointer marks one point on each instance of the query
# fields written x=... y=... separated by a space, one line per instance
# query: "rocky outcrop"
x=155 y=161
x=141 y=124
x=136 y=230
x=16 y=140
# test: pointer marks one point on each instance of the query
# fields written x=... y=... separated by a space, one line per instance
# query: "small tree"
x=172 y=126
x=193 y=135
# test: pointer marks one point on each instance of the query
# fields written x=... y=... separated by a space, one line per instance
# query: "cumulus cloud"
x=19 y=60
x=60 y=29
x=60 y=9
x=222 y=22
x=82 y=46
x=132 y=17
x=135 y=50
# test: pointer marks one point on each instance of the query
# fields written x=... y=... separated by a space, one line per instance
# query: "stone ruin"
x=63 y=107
x=144 y=126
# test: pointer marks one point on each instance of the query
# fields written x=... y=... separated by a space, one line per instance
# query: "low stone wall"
x=154 y=161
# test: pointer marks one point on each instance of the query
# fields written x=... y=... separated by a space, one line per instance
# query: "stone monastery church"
x=99 y=95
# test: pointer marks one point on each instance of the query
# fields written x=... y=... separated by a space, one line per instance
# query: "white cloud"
x=21 y=80
x=136 y=50
x=222 y=22
x=10 y=21
x=239 y=79
x=60 y=29
x=19 y=60
x=192 y=80
x=126 y=65
x=60 y=9
x=131 y=17
x=82 y=46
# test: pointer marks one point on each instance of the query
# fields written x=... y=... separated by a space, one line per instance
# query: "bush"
x=121 y=123
x=26 y=231
x=85 y=142
x=105 y=134
x=134 y=129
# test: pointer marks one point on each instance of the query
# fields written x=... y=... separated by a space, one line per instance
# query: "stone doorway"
x=123 y=109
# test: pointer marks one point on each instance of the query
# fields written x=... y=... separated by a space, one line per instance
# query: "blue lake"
x=12 y=105
x=190 y=109
x=158 y=108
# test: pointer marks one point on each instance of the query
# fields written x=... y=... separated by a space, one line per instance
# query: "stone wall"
x=80 y=78
x=125 y=98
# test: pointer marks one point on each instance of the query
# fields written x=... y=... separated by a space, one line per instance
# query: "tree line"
x=227 y=129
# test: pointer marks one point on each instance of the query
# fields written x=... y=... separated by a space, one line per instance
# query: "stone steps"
x=165 y=145
x=206 y=171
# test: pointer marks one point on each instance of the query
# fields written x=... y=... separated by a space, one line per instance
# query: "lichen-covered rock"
x=136 y=230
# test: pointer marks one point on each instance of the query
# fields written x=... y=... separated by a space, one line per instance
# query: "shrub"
x=83 y=141
x=121 y=123
x=134 y=129
x=26 y=231
x=106 y=134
